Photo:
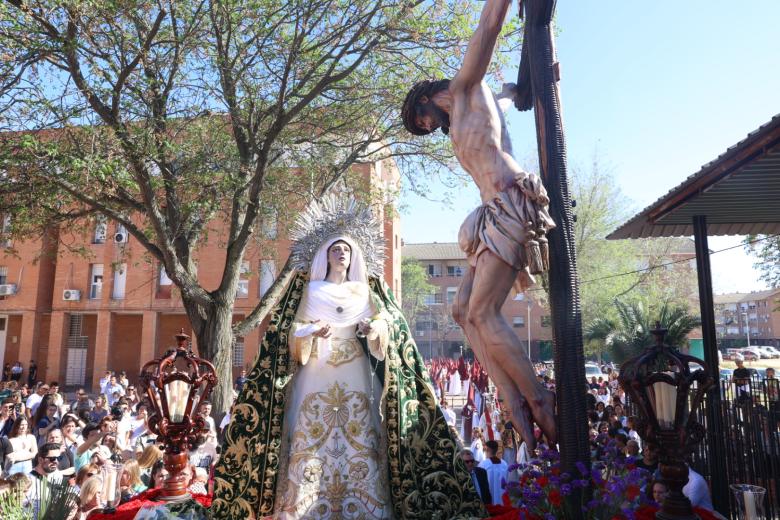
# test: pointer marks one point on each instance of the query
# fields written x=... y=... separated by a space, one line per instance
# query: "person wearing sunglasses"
x=478 y=476
x=48 y=461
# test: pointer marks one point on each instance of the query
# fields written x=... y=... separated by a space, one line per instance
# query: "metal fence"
x=749 y=442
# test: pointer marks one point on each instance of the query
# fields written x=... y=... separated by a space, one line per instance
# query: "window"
x=431 y=270
x=454 y=270
x=243 y=283
x=451 y=293
x=3 y=275
x=518 y=322
x=270 y=225
x=96 y=281
x=120 y=280
x=434 y=299
x=546 y=321
x=6 y=230
x=424 y=325
x=165 y=285
x=238 y=353
x=267 y=275
x=101 y=228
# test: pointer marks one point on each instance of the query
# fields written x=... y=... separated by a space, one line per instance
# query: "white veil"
x=357 y=271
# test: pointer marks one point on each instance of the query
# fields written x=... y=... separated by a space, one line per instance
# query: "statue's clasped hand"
x=364 y=328
x=323 y=332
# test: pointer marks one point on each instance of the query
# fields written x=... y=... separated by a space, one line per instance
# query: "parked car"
x=757 y=351
x=774 y=350
x=747 y=355
x=592 y=369
x=731 y=353
x=768 y=352
x=726 y=373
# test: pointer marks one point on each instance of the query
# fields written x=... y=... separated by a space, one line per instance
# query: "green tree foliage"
x=627 y=334
x=649 y=271
x=766 y=250
x=414 y=289
x=167 y=115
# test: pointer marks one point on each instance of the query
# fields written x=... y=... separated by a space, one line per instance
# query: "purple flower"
x=566 y=489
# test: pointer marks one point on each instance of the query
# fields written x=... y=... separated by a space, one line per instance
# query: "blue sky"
x=659 y=89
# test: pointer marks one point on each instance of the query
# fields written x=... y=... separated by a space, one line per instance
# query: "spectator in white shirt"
x=449 y=413
x=204 y=410
x=697 y=491
x=105 y=380
x=113 y=391
x=497 y=471
x=35 y=398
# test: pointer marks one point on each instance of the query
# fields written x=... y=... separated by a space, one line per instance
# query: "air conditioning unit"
x=7 y=289
x=120 y=238
x=71 y=295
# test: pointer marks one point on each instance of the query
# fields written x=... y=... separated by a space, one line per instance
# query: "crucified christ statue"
x=504 y=239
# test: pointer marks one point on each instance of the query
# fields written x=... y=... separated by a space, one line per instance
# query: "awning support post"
x=715 y=431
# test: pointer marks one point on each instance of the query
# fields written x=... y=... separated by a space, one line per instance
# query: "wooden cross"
x=537 y=89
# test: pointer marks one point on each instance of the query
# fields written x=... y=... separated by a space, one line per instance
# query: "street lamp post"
x=747 y=327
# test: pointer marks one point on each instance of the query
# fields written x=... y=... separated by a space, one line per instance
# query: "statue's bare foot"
x=544 y=415
x=522 y=420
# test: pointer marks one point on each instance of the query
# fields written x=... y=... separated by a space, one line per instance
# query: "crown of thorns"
x=422 y=88
x=338 y=216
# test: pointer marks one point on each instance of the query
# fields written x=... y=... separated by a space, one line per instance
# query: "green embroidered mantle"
x=427 y=479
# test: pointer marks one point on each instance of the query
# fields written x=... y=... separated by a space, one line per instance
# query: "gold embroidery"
x=343 y=351
x=335 y=469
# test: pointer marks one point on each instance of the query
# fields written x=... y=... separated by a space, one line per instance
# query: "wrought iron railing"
x=750 y=441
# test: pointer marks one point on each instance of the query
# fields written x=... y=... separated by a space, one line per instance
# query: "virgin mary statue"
x=338 y=418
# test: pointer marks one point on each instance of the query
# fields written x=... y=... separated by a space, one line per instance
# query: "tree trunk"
x=215 y=342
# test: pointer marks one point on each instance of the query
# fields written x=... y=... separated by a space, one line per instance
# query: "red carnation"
x=542 y=481
x=632 y=491
x=555 y=497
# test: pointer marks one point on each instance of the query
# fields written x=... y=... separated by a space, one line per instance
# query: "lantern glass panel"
x=663 y=398
x=111 y=473
x=177 y=393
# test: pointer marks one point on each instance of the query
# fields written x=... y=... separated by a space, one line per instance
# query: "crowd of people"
x=495 y=452
x=45 y=435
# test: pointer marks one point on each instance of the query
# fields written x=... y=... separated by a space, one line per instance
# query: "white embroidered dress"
x=336 y=468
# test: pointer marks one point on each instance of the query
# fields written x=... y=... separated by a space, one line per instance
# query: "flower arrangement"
x=618 y=487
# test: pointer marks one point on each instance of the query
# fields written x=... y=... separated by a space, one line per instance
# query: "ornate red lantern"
x=175 y=384
x=666 y=385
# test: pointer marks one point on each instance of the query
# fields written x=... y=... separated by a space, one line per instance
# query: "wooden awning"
x=739 y=193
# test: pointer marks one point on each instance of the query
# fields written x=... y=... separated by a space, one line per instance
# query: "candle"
x=177 y=399
x=665 y=400
x=109 y=486
x=750 y=505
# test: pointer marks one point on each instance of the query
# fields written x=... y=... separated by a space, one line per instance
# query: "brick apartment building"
x=437 y=334
x=434 y=330
x=78 y=316
x=756 y=313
